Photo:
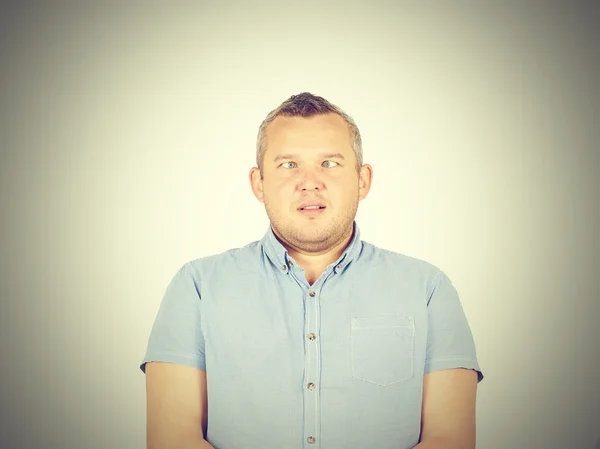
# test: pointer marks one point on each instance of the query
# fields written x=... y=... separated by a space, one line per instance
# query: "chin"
x=314 y=235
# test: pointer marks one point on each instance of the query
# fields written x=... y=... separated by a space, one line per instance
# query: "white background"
x=127 y=134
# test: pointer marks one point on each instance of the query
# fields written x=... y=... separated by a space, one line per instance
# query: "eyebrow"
x=280 y=157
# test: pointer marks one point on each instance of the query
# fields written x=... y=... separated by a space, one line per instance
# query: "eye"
x=330 y=164
x=287 y=164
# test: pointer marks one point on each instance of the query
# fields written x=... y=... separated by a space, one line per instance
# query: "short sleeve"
x=450 y=342
x=176 y=335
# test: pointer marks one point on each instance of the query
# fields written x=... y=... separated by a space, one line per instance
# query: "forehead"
x=325 y=132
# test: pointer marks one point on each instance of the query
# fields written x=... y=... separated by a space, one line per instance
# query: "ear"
x=364 y=181
x=256 y=184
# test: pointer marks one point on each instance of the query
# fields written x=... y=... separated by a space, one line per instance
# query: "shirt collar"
x=279 y=256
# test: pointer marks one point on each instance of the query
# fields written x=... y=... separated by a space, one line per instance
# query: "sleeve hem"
x=453 y=362
x=172 y=357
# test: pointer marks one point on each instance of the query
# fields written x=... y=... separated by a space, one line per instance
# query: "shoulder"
x=230 y=258
x=402 y=268
x=399 y=262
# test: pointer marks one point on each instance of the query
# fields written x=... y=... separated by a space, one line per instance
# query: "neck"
x=318 y=261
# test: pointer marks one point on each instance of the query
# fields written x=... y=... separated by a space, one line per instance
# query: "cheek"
x=343 y=189
x=278 y=194
x=282 y=187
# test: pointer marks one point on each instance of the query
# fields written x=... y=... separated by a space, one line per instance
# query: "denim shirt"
x=335 y=365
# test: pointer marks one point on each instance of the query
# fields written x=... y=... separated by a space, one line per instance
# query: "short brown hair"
x=306 y=105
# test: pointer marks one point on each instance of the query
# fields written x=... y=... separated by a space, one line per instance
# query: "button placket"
x=312 y=368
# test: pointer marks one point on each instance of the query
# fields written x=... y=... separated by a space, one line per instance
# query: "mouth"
x=312 y=207
x=311 y=210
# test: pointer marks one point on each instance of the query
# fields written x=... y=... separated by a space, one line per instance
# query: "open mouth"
x=312 y=210
x=312 y=207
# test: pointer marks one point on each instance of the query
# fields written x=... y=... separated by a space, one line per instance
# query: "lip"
x=311 y=212
x=308 y=203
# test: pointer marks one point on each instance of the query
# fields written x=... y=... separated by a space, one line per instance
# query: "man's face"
x=310 y=186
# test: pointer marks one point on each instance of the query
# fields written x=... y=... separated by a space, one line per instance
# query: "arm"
x=448 y=414
x=175 y=369
x=177 y=410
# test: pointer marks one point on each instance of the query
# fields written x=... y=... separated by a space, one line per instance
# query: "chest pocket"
x=382 y=348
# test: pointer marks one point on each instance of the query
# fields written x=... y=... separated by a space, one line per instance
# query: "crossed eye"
x=329 y=164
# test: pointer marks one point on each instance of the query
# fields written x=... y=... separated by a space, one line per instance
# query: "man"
x=310 y=337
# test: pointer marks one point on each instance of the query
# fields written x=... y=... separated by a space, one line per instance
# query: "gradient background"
x=127 y=134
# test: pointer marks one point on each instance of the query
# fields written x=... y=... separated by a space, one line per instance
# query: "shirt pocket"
x=382 y=348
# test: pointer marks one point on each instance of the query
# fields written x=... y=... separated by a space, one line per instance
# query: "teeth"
x=312 y=207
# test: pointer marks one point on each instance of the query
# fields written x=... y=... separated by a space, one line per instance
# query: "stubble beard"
x=315 y=238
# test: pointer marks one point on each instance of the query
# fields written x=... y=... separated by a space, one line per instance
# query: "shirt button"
x=311 y=386
x=284 y=267
x=291 y=263
x=339 y=267
x=311 y=336
x=311 y=292
x=311 y=440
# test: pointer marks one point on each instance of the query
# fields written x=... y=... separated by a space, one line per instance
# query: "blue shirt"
x=335 y=365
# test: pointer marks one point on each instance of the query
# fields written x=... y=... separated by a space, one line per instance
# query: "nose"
x=311 y=181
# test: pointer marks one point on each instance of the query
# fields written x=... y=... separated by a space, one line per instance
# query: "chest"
x=370 y=326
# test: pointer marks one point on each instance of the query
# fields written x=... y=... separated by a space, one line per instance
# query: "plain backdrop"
x=127 y=134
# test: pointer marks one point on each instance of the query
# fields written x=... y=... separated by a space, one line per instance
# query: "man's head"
x=306 y=105
x=309 y=153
